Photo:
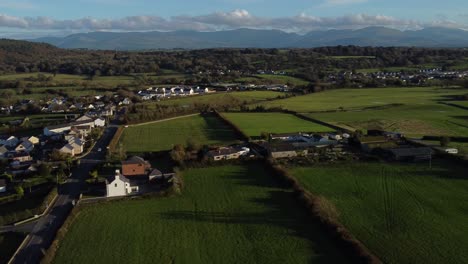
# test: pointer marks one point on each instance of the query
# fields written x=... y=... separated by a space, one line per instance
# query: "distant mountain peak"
x=264 y=38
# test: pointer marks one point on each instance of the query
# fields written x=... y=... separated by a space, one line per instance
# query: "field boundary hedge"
x=352 y=248
x=233 y=126
x=115 y=140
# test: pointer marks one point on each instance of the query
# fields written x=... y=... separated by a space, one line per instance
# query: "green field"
x=253 y=124
x=414 y=111
x=229 y=214
x=223 y=98
x=164 y=135
x=404 y=213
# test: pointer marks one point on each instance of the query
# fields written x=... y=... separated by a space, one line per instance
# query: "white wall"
x=117 y=188
x=2 y=189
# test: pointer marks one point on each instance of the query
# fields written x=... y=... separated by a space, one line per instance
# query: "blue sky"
x=49 y=17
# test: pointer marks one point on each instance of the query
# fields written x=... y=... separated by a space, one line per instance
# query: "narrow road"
x=44 y=230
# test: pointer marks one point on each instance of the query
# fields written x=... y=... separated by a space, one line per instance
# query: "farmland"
x=403 y=213
x=229 y=214
x=253 y=124
x=415 y=111
x=164 y=135
x=223 y=98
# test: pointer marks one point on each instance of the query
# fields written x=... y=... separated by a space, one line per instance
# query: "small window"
x=116 y=185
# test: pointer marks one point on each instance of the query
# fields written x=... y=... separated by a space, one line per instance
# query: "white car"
x=99 y=149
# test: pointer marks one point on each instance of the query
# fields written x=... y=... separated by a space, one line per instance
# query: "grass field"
x=229 y=214
x=253 y=124
x=414 y=111
x=404 y=213
x=223 y=98
x=164 y=135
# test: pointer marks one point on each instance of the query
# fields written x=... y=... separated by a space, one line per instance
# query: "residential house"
x=24 y=146
x=9 y=141
x=22 y=157
x=61 y=129
x=83 y=130
x=227 y=153
x=77 y=144
x=188 y=91
x=3 y=186
x=67 y=149
x=119 y=185
x=100 y=122
x=99 y=104
x=135 y=166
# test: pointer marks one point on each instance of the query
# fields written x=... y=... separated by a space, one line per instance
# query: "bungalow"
x=21 y=157
x=67 y=149
x=61 y=129
x=3 y=186
x=135 y=166
x=9 y=141
x=119 y=185
x=24 y=146
x=188 y=91
x=227 y=153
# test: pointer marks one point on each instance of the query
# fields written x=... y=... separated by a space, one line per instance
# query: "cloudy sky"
x=33 y=18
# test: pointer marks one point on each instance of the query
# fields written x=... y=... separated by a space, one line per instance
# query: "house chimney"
x=117 y=173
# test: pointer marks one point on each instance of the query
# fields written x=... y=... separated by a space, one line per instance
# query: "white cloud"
x=216 y=21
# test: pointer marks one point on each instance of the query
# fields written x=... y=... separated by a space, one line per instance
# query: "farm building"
x=411 y=154
x=135 y=166
x=278 y=151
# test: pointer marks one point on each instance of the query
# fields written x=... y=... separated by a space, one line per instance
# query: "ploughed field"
x=253 y=124
x=404 y=213
x=227 y=214
x=413 y=111
x=160 y=136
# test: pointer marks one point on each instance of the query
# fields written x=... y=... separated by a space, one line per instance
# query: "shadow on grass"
x=281 y=210
x=217 y=131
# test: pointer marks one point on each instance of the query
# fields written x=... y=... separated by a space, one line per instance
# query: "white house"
x=3 y=186
x=84 y=118
x=55 y=130
x=100 y=122
x=119 y=185
x=188 y=91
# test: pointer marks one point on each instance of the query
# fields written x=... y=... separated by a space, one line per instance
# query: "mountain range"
x=253 y=38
